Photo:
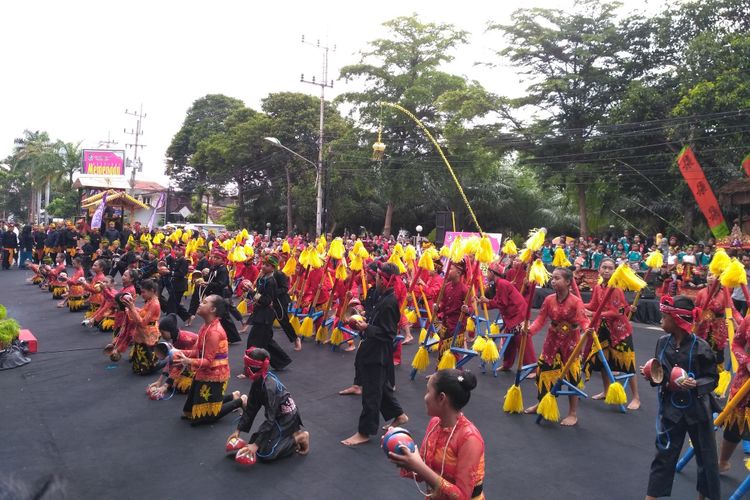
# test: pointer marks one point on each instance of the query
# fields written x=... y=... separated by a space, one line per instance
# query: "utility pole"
x=321 y=177
x=137 y=164
x=109 y=142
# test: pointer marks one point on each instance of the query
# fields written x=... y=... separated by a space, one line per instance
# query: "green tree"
x=578 y=65
x=207 y=116
x=404 y=68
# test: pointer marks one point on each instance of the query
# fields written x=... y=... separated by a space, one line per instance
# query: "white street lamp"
x=318 y=183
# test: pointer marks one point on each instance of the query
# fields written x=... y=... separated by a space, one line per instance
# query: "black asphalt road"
x=72 y=413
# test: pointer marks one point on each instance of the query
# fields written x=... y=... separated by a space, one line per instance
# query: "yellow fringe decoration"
x=411 y=316
x=485 y=253
x=490 y=354
x=107 y=325
x=421 y=359
x=445 y=252
x=285 y=247
x=447 y=361
x=526 y=255
x=625 y=278
x=457 y=250
x=276 y=323
x=337 y=336
x=470 y=325
x=720 y=262
x=513 y=400
x=410 y=254
x=548 y=408
x=422 y=335
x=616 y=394
x=75 y=304
x=436 y=339
x=396 y=260
x=341 y=273
x=471 y=246
x=204 y=409
x=321 y=334
x=479 y=343
x=426 y=261
x=538 y=273
x=294 y=321
x=734 y=275
x=289 y=267
x=655 y=260
x=306 y=328
x=510 y=247
x=337 y=250
x=536 y=239
x=560 y=260
x=242 y=307
x=724 y=379
x=494 y=329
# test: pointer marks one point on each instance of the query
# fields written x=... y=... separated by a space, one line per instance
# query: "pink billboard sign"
x=103 y=162
x=495 y=238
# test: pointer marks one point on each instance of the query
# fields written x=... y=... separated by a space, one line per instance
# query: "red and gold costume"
x=615 y=332
x=57 y=287
x=76 y=292
x=512 y=306
x=567 y=319
x=712 y=324
x=143 y=323
x=457 y=454
x=95 y=294
x=738 y=421
x=209 y=360
x=449 y=312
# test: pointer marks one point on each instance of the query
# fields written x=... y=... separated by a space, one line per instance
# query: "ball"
x=395 y=438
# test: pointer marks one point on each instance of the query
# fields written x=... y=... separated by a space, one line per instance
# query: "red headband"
x=666 y=306
x=255 y=369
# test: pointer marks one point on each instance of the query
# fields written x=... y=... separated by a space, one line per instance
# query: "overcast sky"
x=73 y=67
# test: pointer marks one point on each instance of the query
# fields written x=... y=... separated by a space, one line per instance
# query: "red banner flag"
x=693 y=173
x=746 y=165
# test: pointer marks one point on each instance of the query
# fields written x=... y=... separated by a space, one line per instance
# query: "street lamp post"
x=419 y=237
x=318 y=182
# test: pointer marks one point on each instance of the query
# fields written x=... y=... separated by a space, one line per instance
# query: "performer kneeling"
x=281 y=434
x=206 y=402
x=687 y=404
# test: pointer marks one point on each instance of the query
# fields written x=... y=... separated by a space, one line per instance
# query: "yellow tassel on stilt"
x=513 y=400
x=306 y=328
x=490 y=354
x=411 y=316
x=322 y=334
x=721 y=388
x=448 y=361
x=422 y=335
x=421 y=359
x=337 y=336
x=548 y=408
x=616 y=394
x=294 y=321
x=470 y=325
x=479 y=343
x=436 y=342
x=242 y=307
x=494 y=329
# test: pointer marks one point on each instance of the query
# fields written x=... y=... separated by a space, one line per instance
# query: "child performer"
x=281 y=433
x=76 y=299
x=451 y=457
x=736 y=427
x=686 y=408
x=567 y=318
x=146 y=333
x=712 y=323
x=615 y=335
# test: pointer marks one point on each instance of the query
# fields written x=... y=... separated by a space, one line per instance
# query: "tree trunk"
x=388 y=219
x=289 y=221
x=582 y=209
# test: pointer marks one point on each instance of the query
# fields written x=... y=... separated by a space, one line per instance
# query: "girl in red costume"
x=615 y=335
x=567 y=318
x=712 y=323
x=451 y=458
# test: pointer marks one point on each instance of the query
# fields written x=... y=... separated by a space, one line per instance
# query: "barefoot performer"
x=376 y=355
x=281 y=434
